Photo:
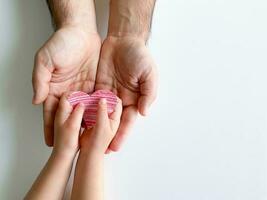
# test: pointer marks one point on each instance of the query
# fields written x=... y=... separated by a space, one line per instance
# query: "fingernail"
x=108 y=151
x=81 y=104
x=103 y=101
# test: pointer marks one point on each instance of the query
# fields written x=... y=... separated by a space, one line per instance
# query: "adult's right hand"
x=67 y=61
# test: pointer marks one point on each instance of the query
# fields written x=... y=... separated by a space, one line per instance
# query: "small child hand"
x=67 y=127
x=98 y=138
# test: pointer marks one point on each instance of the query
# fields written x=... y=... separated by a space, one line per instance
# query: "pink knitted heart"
x=91 y=104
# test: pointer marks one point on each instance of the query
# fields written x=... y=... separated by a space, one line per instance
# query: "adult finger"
x=128 y=118
x=41 y=77
x=148 y=91
x=49 y=111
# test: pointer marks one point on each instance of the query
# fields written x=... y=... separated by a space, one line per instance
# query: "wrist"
x=131 y=39
x=73 y=13
x=80 y=31
x=79 y=24
x=63 y=154
x=130 y=18
x=92 y=154
x=124 y=31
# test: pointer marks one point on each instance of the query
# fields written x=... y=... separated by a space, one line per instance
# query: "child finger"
x=75 y=118
x=64 y=110
x=102 y=113
x=116 y=115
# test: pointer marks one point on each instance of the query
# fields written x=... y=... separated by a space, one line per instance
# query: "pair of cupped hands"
x=73 y=59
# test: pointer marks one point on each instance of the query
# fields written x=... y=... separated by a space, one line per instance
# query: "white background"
x=205 y=138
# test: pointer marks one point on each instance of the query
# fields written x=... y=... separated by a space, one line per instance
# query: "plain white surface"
x=206 y=136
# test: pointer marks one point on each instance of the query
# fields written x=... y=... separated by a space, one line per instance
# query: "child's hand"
x=98 y=138
x=67 y=127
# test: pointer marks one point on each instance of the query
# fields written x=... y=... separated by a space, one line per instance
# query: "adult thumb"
x=41 y=78
x=148 y=91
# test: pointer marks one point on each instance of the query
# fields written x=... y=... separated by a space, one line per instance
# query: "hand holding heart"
x=69 y=61
x=96 y=140
x=91 y=104
x=101 y=113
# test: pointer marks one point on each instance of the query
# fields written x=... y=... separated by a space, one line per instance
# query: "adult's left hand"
x=127 y=68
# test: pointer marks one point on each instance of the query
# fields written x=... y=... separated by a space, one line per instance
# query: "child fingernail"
x=103 y=101
x=81 y=105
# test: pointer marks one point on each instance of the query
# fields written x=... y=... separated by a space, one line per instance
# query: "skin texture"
x=88 y=180
x=131 y=18
x=70 y=60
x=52 y=180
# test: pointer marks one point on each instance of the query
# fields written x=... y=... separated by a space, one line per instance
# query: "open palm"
x=67 y=61
x=126 y=68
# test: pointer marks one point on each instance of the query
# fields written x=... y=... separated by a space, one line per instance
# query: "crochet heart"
x=91 y=103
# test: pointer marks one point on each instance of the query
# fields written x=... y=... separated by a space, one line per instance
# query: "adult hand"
x=126 y=68
x=67 y=61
